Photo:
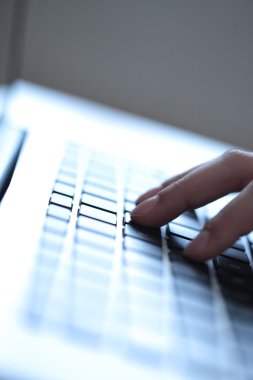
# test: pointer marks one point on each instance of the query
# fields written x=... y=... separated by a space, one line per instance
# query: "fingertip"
x=199 y=248
x=145 y=207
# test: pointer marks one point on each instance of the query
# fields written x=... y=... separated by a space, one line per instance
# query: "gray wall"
x=6 y=16
x=186 y=62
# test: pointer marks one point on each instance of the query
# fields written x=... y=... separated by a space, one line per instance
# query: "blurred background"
x=184 y=62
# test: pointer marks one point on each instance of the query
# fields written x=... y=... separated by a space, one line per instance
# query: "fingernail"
x=198 y=245
x=146 y=206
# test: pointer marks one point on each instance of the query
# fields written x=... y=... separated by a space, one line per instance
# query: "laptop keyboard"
x=112 y=285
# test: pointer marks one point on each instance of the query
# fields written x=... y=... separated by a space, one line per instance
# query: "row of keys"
x=140 y=272
x=53 y=234
x=235 y=278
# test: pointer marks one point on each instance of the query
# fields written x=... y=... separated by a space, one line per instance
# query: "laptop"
x=84 y=292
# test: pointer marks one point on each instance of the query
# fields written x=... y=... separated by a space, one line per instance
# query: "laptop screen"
x=11 y=141
x=3 y=99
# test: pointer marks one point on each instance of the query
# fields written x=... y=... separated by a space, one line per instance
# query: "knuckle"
x=181 y=186
x=240 y=164
x=211 y=226
x=234 y=155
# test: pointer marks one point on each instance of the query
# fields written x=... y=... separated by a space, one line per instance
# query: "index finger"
x=208 y=182
x=155 y=190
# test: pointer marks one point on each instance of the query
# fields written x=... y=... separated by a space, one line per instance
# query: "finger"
x=227 y=173
x=148 y=194
x=155 y=190
x=235 y=220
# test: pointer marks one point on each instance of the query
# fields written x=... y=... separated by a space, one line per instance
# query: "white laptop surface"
x=83 y=293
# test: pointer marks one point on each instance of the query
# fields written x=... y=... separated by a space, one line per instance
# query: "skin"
x=230 y=172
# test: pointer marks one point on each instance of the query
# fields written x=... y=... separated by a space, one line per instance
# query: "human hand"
x=230 y=172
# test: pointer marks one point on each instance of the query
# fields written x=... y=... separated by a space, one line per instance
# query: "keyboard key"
x=100 y=203
x=52 y=241
x=55 y=225
x=148 y=325
x=48 y=258
x=240 y=316
x=86 y=324
x=197 y=329
x=49 y=263
x=177 y=242
x=96 y=226
x=146 y=283
x=58 y=212
x=70 y=162
x=90 y=188
x=87 y=294
x=187 y=219
x=197 y=312
x=143 y=247
x=103 y=169
x=148 y=355
x=63 y=176
x=151 y=235
x=92 y=275
x=187 y=268
x=234 y=281
x=64 y=188
x=244 y=335
x=106 y=176
x=139 y=186
x=236 y=254
x=144 y=264
x=140 y=299
x=95 y=182
x=139 y=183
x=92 y=257
x=238 y=296
x=182 y=231
x=68 y=173
x=239 y=245
x=131 y=196
x=137 y=170
x=233 y=266
x=98 y=214
x=88 y=238
x=129 y=206
x=194 y=290
x=61 y=200
x=100 y=181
